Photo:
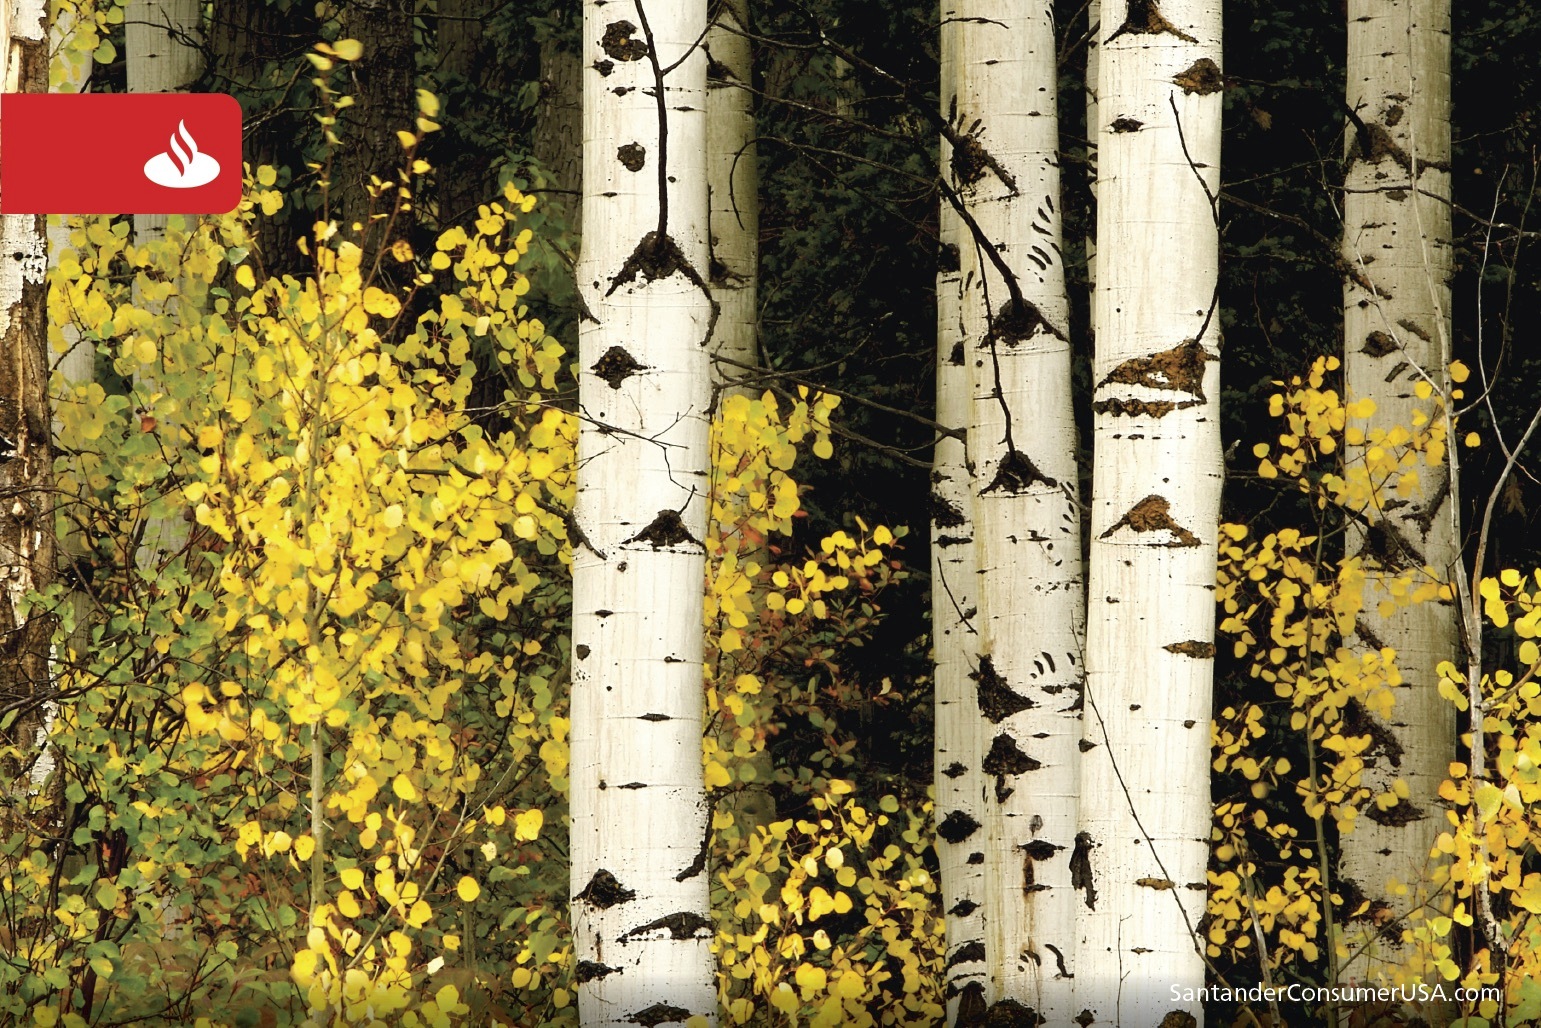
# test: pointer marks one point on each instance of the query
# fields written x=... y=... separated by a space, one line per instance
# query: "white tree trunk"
x=1143 y=848
x=641 y=921
x=77 y=364
x=960 y=842
x=160 y=39
x=1396 y=331
x=733 y=180
x=26 y=534
x=1027 y=521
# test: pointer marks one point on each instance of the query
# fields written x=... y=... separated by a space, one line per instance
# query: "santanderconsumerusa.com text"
x=1420 y=992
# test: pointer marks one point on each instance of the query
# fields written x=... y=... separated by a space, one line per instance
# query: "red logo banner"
x=119 y=153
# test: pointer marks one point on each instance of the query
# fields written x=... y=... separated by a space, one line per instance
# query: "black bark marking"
x=1020 y=320
x=633 y=785
x=1059 y=960
x=681 y=926
x=1412 y=327
x=954 y=769
x=963 y=908
x=1378 y=344
x=1016 y=474
x=698 y=864
x=1085 y=1019
x=589 y=970
x=1159 y=884
x=1180 y=369
x=1404 y=812
x=659 y=1013
x=1085 y=745
x=1374 y=144
x=1192 y=648
x=957 y=826
x=1153 y=514
x=1006 y=758
x=1383 y=742
x=996 y=699
x=955 y=357
x=655 y=258
x=970 y=161
x=1352 y=898
x=1126 y=125
x=966 y=954
x=617 y=42
x=1141 y=408
x=1179 y=1019
x=1008 y=1013
x=975 y=858
x=632 y=156
x=945 y=513
x=944 y=541
x=575 y=534
x=971 y=1006
x=616 y=366
x=667 y=529
x=1144 y=18
x=1203 y=78
x=1081 y=877
x=604 y=891
x=1040 y=849
x=654 y=717
x=948 y=261
x=582 y=650
x=604 y=67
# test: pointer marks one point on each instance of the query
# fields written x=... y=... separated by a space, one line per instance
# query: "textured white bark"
x=1027 y=522
x=957 y=737
x=1145 y=807
x=733 y=180
x=75 y=365
x=641 y=920
x=1093 y=66
x=1396 y=330
x=26 y=533
x=160 y=39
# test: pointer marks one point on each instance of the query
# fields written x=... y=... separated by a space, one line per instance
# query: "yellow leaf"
x=304 y=846
x=244 y=276
x=348 y=49
x=408 y=140
x=1459 y=372
x=467 y=888
x=1472 y=439
x=402 y=786
x=527 y=824
x=352 y=878
x=810 y=978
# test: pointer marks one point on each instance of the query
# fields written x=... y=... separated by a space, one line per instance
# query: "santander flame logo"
x=184 y=166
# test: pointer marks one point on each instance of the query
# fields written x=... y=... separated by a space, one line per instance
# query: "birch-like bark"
x=75 y=365
x=1143 y=848
x=161 y=40
x=960 y=814
x=26 y=453
x=1396 y=333
x=1027 y=522
x=641 y=921
x=733 y=180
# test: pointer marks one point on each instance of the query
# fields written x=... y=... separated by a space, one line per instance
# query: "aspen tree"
x=1141 y=855
x=956 y=752
x=641 y=923
x=1027 y=524
x=1396 y=335
x=161 y=39
x=26 y=453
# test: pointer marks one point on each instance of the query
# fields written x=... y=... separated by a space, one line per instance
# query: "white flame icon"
x=185 y=166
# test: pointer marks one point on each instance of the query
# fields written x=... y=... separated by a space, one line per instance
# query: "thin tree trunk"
x=960 y=813
x=161 y=40
x=558 y=142
x=1026 y=519
x=26 y=470
x=1143 y=849
x=641 y=918
x=1396 y=333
